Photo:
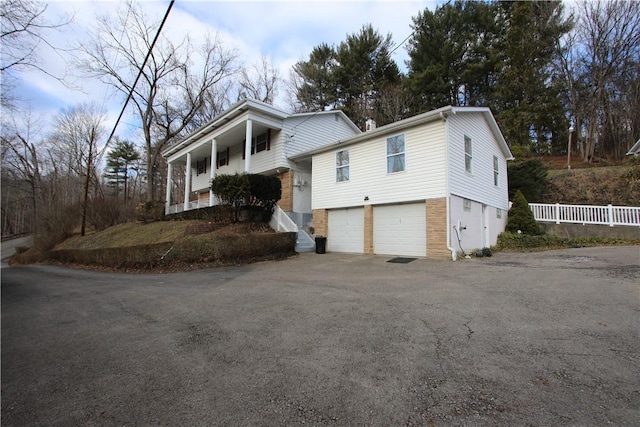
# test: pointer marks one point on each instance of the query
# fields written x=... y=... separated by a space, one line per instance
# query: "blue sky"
x=284 y=31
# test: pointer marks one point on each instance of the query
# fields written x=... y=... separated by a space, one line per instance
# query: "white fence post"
x=610 y=215
x=557 y=213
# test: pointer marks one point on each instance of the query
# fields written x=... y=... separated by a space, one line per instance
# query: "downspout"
x=454 y=253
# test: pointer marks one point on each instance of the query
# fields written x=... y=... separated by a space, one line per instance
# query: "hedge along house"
x=255 y=137
x=433 y=185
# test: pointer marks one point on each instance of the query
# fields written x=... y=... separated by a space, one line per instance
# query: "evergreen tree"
x=314 y=80
x=364 y=69
x=452 y=55
x=528 y=105
x=529 y=177
x=355 y=76
x=520 y=217
x=119 y=166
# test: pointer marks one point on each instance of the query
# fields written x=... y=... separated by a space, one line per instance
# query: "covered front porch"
x=243 y=146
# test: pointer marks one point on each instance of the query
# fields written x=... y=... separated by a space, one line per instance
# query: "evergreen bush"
x=520 y=217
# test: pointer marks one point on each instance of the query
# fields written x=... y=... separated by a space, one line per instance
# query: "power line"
x=153 y=43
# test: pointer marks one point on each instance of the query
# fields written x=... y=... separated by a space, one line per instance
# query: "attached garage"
x=400 y=229
x=346 y=230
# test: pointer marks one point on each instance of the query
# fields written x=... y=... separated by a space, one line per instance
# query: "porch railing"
x=586 y=214
x=197 y=204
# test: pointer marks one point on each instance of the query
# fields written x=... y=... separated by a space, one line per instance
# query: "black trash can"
x=321 y=245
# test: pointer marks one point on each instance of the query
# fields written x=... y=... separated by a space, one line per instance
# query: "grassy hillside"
x=130 y=234
x=593 y=184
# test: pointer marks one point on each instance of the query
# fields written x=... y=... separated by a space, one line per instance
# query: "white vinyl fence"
x=586 y=214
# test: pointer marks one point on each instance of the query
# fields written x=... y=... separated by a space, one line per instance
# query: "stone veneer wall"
x=286 y=201
x=437 y=229
x=320 y=222
x=368 y=229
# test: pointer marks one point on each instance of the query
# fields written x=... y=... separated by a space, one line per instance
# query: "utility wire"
x=153 y=43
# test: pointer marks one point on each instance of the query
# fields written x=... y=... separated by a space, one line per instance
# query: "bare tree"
x=24 y=33
x=261 y=82
x=175 y=82
x=79 y=137
x=20 y=163
x=601 y=67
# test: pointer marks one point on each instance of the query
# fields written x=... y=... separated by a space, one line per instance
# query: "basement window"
x=466 y=204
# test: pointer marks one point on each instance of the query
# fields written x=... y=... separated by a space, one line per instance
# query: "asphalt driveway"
x=517 y=339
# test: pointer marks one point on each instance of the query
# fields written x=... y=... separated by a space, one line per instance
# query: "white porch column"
x=214 y=164
x=169 y=185
x=187 y=182
x=247 y=147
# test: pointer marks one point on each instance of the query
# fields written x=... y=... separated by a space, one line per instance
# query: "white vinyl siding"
x=472 y=231
x=424 y=178
x=304 y=132
x=346 y=230
x=478 y=186
x=400 y=229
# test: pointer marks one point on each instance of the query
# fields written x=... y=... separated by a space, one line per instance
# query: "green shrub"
x=520 y=217
x=232 y=190
x=248 y=190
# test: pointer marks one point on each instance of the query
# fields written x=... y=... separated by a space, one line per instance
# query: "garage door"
x=346 y=230
x=400 y=230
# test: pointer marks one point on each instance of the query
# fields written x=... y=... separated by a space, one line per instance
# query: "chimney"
x=370 y=124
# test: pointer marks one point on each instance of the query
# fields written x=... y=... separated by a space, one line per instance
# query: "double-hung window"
x=468 y=155
x=259 y=143
x=495 y=170
x=201 y=166
x=342 y=166
x=395 y=154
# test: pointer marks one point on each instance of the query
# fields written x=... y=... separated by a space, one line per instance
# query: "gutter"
x=454 y=253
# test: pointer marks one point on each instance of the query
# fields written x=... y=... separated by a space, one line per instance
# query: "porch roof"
x=224 y=119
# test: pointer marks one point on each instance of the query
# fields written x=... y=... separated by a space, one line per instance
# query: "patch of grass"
x=130 y=234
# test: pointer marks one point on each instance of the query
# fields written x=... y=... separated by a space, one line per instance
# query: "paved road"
x=8 y=248
x=517 y=339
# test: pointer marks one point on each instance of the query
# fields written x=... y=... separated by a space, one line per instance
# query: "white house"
x=433 y=185
x=255 y=137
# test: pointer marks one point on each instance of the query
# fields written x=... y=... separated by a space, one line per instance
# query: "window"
x=467 y=205
x=498 y=213
x=495 y=171
x=259 y=143
x=395 y=154
x=201 y=166
x=223 y=158
x=342 y=166
x=468 y=154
